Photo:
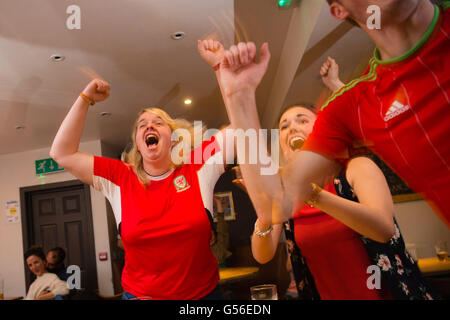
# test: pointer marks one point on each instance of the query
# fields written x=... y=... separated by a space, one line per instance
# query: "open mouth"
x=296 y=143
x=151 y=140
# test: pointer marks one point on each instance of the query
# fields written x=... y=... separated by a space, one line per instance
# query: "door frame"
x=27 y=220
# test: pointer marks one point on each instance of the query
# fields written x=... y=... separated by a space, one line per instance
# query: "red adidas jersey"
x=401 y=110
x=164 y=228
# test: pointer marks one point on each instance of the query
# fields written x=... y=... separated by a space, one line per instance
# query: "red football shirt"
x=335 y=255
x=164 y=227
x=401 y=110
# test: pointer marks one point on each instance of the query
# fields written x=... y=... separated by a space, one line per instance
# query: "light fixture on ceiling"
x=178 y=35
x=187 y=101
x=57 y=58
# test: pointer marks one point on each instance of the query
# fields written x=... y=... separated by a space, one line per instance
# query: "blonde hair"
x=133 y=157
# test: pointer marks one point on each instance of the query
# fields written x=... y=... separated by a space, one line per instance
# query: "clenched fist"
x=330 y=74
x=97 y=90
x=211 y=51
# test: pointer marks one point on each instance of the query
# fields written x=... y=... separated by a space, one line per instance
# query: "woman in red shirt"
x=159 y=203
x=328 y=232
x=334 y=251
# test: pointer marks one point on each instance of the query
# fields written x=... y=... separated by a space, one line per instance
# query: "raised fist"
x=239 y=69
x=211 y=51
x=330 y=74
x=97 y=90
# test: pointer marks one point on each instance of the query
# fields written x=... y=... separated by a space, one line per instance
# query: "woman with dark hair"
x=334 y=240
x=47 y=286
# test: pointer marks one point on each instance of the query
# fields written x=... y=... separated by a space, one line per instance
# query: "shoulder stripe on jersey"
x=370 y=76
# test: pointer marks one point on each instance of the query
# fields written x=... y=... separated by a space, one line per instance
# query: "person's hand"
x=330 y=74
x=43 y=295
x=211 y=51
x=97 y=90
x=239 y=70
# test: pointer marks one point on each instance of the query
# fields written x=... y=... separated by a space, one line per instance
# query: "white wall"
x=17 y=170
x=421 y=227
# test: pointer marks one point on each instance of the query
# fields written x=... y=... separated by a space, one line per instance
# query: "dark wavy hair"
x=34 y=251
x=305 y=105
x=60 y=252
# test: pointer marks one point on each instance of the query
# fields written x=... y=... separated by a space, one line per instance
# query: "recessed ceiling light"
x=187 y=102
x=105 y=114
x=57 y=58
x=178 y=35
x=20 y=127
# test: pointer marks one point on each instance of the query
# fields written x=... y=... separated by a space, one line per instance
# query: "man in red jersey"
x=400 y=108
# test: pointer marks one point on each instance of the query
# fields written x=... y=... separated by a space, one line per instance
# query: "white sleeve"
x=58 y=287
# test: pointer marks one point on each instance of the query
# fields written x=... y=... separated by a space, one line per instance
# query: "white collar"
x=161 y=176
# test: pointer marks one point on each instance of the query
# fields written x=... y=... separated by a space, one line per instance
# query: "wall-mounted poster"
x=226 y=198
x=12 y=212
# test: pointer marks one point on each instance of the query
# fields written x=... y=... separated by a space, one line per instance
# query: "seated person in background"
x=47 y=286
x=55 y=263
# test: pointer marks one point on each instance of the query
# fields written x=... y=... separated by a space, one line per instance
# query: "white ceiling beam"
x=302 y=24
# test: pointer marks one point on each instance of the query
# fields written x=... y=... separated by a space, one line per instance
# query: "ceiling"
x=129 y=44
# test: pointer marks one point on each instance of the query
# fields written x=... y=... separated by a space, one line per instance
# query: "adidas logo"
x=396 y=109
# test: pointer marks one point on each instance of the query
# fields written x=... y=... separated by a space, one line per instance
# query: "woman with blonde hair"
x=158 y=200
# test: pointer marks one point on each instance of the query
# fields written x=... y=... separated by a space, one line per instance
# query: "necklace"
x=160 y=176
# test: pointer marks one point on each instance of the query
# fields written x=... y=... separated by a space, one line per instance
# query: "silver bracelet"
x=262 y=233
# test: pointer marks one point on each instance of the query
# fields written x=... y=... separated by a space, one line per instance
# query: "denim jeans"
x=216 y=294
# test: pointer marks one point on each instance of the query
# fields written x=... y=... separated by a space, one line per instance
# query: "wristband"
x=87 y=99
x=312 y=201
x=262 y=233
x=216 y=67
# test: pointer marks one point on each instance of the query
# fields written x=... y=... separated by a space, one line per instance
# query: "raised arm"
x=274 y=200
x=212 y=52
x=239 y=75
x=65 y=146
x=330 y=75
x=264 y=248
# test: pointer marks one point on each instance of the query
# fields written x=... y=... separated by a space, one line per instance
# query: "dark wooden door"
x=59 y=215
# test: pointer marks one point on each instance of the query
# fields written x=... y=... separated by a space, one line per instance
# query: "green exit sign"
x=287 y=4
x=284 y=3
x=44 y=166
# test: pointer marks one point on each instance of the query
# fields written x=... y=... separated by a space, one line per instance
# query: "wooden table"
x=437 y=274
x=434 y=266
x=228 y=275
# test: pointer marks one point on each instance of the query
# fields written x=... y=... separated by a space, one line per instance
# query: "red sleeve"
x=207 y=150
x=331 y=135
x=109 y=169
